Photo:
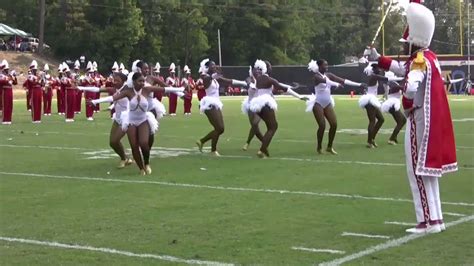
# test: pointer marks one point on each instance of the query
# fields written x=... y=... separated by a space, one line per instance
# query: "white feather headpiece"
x=261 y=65
x=313 y=66
x=77 y=65
x=134 y=66
x=130 y=79
x=202 y=66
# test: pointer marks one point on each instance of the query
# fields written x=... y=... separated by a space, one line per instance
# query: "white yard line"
x=332 y=251
x=110 y=251
x=454 y=214
x=364 y=235
x=240 y=189
x=389 y=244
x=230 y=156
x=400 y=223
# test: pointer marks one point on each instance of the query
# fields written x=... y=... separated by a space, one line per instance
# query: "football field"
x=63 y=201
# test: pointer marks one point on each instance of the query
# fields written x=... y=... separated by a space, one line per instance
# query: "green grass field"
x=59 y=186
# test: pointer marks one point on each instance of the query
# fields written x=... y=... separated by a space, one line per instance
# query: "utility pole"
x=41 y=25
x=219 y=44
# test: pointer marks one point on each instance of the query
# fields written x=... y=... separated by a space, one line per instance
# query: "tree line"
x=285 y=32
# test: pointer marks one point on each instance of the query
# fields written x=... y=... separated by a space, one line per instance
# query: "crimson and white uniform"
x=88 y=81
x=68 y=86
x=201 y=91
x=35 y=86
x=159 y=94
x=109 y=83
x=48 y=93
x=6 y=87
x=188 y=93
x=99 y=82
x=173 y=98
x=430 y=148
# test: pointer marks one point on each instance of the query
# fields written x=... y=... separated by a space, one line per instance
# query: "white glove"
x=179 y=93
x=174 y=89
x=86 y=88
x=13 y=73
x=395 y=78
x=239 y=83
x=351 y=83
x=107 y=99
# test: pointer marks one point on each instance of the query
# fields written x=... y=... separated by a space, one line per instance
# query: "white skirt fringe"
x=369 y=98
x=245 y=106
x=389 y=103
x=160 y=108
x=208 y=102
x=150 y=118
x=257 y=103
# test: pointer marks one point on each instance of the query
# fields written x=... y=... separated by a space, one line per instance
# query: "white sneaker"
x=434 y=229
x=148 y=169
x=69 y=120
x=442 y=227
x=36 y=122
x=90 y=119
x=172 y=114
x=421 y=228
x=6 y=123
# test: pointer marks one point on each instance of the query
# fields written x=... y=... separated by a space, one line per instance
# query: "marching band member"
x=78 y=98
x=48 y=90
x=68 y=84
x=430 y=148
x=172 y=81
x=156 y=73
x=35 y=84
x=188 y=82
x=7 y=80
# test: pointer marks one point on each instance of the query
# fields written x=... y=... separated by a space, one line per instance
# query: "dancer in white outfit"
x=371 y=103
x=392 y=105
x=252 y=89
x=154 y=106
x=211 y=105
x=138 y=122
x=264 y=105
x=322 y=103
x=116 y=132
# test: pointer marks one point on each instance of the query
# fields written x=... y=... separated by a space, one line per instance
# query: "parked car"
x=31 y=44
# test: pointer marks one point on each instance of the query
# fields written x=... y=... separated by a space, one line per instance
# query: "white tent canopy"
x=7 y=30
